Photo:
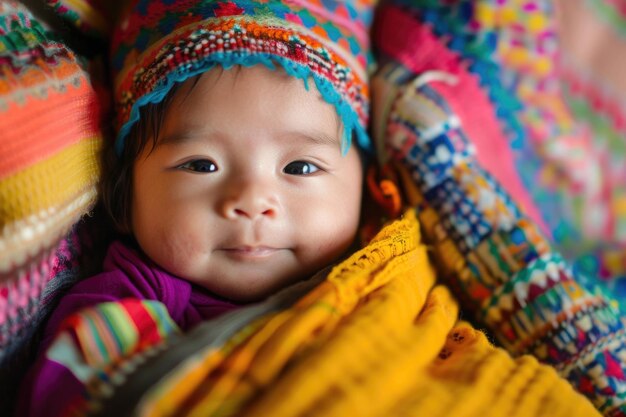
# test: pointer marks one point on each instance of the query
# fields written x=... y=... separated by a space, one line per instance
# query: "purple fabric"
x=126 y=274
x=46 y=381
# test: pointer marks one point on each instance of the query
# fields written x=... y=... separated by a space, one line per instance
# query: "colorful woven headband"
x=162 y=42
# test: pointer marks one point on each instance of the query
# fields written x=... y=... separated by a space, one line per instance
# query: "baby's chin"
x=244 y=289
x=245 y=278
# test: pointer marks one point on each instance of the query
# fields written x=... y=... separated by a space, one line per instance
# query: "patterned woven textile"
x=493 y=257
x=554 y=73
x=374 y=338
x=50 y=138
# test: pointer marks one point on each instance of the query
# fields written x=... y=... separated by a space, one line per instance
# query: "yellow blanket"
x=377 y=337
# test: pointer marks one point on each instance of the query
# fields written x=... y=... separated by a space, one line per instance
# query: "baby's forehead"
x=240 y=93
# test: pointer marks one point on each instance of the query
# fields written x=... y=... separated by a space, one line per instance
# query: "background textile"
x=553 y=71
x=50 y=137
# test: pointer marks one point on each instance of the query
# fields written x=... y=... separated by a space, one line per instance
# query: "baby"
x=232 y=175
x=244 y=189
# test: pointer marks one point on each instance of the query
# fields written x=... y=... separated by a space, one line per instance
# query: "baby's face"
x=247 y=191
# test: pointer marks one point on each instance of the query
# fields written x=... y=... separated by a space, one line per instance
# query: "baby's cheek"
x=330 y=234
x=182 y=251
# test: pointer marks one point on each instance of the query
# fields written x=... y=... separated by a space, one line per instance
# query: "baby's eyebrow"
x=180 y=137
x=314 y=136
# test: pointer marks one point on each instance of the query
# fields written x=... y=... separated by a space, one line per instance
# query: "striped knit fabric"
x=100 y=345
x=49 y=144
x=433 y=117
x=375 y=338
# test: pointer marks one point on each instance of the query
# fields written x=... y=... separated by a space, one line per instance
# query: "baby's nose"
x=250 y=201
x=251 y=212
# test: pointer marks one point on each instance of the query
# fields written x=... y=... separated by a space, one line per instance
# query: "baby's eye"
x=300 y=168
x=202 y=166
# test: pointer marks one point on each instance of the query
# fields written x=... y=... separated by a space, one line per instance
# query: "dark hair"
x=117 y=174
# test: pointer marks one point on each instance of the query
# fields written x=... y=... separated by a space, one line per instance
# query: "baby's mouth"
x=250 y=252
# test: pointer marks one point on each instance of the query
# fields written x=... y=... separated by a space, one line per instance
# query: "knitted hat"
x=161 y=42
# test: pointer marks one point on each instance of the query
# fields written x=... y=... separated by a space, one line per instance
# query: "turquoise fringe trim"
x=348 y=116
